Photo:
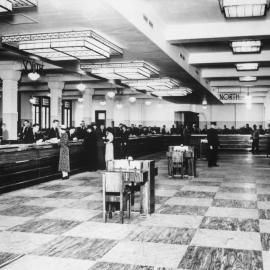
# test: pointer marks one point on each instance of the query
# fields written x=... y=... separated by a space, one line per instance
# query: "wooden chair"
x=114 y=191
x=177 y=163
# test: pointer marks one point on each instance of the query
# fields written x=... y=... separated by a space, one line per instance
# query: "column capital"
x=10 y=75
x=89 y=92
x=11 y=65
x=56 y=85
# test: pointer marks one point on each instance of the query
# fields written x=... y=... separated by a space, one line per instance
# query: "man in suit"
x=255 y=140
x=54 y=131
x=213 y=144
x=26 y=134
x=38 y=136
x=81 y=131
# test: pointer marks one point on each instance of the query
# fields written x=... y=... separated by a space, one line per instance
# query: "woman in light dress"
x=109 y=150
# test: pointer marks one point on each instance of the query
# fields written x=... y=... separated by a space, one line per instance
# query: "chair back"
x=136 y=164
x=178 y=157
x=120 y=164
x=113 y=182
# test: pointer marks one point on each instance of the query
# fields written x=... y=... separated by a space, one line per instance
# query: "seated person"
x=72 y=134
x=81 y=131
x=225 y=130
x=163 y=130
x=54 y=131
x=38 y=136
x=261 y=130
x=173 y=130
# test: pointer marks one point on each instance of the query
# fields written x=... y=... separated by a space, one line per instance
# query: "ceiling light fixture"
x=33 y=76
x=5 y=6
x=148 y=103
x=102 y=103
x=135 y=70
x=204 y=104
x=178 y=92
x=154 y=84
x=71 y=45
x=246 y=46
x=247 y=79
x=132 y=99
x=119 y=106
x=247 y=66
x=244 y=8
x=111 y=94
x=80 y=99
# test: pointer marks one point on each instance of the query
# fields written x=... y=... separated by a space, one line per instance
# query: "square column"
x=88 y=105
x=10 y=80
x=56 y=89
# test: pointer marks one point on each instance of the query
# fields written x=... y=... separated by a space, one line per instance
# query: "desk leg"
x=145 y=198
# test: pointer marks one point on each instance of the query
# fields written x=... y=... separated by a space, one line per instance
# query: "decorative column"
x=56 y=88
x=10 y=80
x=109 y=111
x=267 y=110
x=87 y=105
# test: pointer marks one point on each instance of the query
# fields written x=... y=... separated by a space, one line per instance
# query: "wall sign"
x=229 y=96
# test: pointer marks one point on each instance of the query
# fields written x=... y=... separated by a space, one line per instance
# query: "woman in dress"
x=109 y=150
x=64 y=162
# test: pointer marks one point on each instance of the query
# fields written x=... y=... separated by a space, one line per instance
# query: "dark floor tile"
x=26 y=211
x=264 y=213
x=55 y=187
x=182 y=210
x=161 y=199
x=85 y=204
x=237 y=190
x=135 y=218
x=204 y=183
x=69 y=195
x=7 y=258
x=265 y=240
x=47 y=226
x=235 y=204
x=263 y=197
x=13 y=200
x=118 y=266
x=249 y=225
x=207 y=258
x=178 y=236
x=76 y=248
x=195 y=194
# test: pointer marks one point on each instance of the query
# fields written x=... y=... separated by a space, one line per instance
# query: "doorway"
x=100 y=118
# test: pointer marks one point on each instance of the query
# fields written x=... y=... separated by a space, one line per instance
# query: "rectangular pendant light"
x=5 y=6
x=179 y=92
x=23 y=3
x=247 y=66
x=246 y=46
x=70 y=45
x=247 y=79
x=244 y=8
x=135 y=70
x=154 y=84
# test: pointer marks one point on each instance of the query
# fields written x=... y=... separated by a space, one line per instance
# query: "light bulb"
x=81 y=86
x=80 y=100
x=119 y=106
x=32 y=100
x=132 y=99
x=33 y=76
x=102 y=103
x=148 y=103
x=111 y=94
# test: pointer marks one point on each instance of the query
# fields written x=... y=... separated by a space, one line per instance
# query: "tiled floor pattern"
x=218 y=221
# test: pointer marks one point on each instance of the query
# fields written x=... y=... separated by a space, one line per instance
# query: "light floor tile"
x=101 y=230
x=263 y=190
x=71 y=214
x=7 y=222
x=165 y=192
x=239 y=185
x=50 y=202
x=90 y=189
x=200 y=188
x=266 y=260
x=148 y=254
x=180 y=221
x=232 y=212
x=19 y=242
x=94 y=197
x=189 y=201
x=32 y=192
x=265 y=226
x=203 y=179
x=263 y=205
x=236 y=196
x=32 y=262
x=227 y=239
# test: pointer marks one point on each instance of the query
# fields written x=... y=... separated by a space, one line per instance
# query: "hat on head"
x=213 y=123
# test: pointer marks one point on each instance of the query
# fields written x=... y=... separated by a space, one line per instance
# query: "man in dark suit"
x=81 y=131
x=213 y=144
x=26 y=134
x=54 y=131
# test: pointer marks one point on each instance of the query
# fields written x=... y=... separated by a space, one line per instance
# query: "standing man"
x=81 y=131
x=26 y=134
x=255 y=139
x=54 y=131
x=213 y=144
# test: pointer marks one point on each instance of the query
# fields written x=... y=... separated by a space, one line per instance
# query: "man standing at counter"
x=213 y=144
x=26 y=134
x=54 y=131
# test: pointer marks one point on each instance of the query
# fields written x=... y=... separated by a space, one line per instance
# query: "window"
x=67 y=113
x=41 y=112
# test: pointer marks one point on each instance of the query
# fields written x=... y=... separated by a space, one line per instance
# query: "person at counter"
x=186 y=135
x=261 y=130
x=100 y=137
x=81 y=131
x=124 y=141
x=90 y=147
x=38 y=136
x=163 y=130
x=26 y=134
x=64 y=161
x=225 y=130
x=54 y=131
x=109 y=151
x=72 y=134
x=173 y=130
x=212 y=147
x=255 y=140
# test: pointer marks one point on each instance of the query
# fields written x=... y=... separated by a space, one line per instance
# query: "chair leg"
x=104 y=204
x=129 y=206
x=121 y=208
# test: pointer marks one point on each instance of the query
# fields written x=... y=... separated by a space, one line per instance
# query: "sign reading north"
x=229 y=96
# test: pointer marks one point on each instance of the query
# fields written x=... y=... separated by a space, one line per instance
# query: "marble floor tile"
x=263 y=191
x=201 y=188
x=25 y=211
x=94 y=197
x=232 y=212
x=234 y=204
x=230 y=224
x=263 y=204
x=31 y=193
x=178 y=221
x=50 y=202
x=178 y=236
x=195 y=194
x=264 y=213
x=7 y=258
x=190 y=201
x=87 y=189
x=101 y=230
x=204 y=183
x=121 y=266
x=76 y=248
x=210 y=179
x=165 y=192
x=84 y=204
x=71 y=214
x=264 y=226
x=55 y=187
x=265 y=239
x=239 y=185
x=22 y=243
x=264 y=197
x=168 y=187
x=266 y=260
x=69 y=195
x=206 y=258
x=236 y=196
x=14 y=200
x=171 y=182
x=135 y=218
x=4 y=206
x=237 y=190
x=182 y=210
x=32 y=262
x=227 y=239
x=161 y=199
x=7 y=222
x=45 y=226
x=149 y=254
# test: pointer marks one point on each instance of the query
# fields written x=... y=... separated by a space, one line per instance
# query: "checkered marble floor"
x=218 y=221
